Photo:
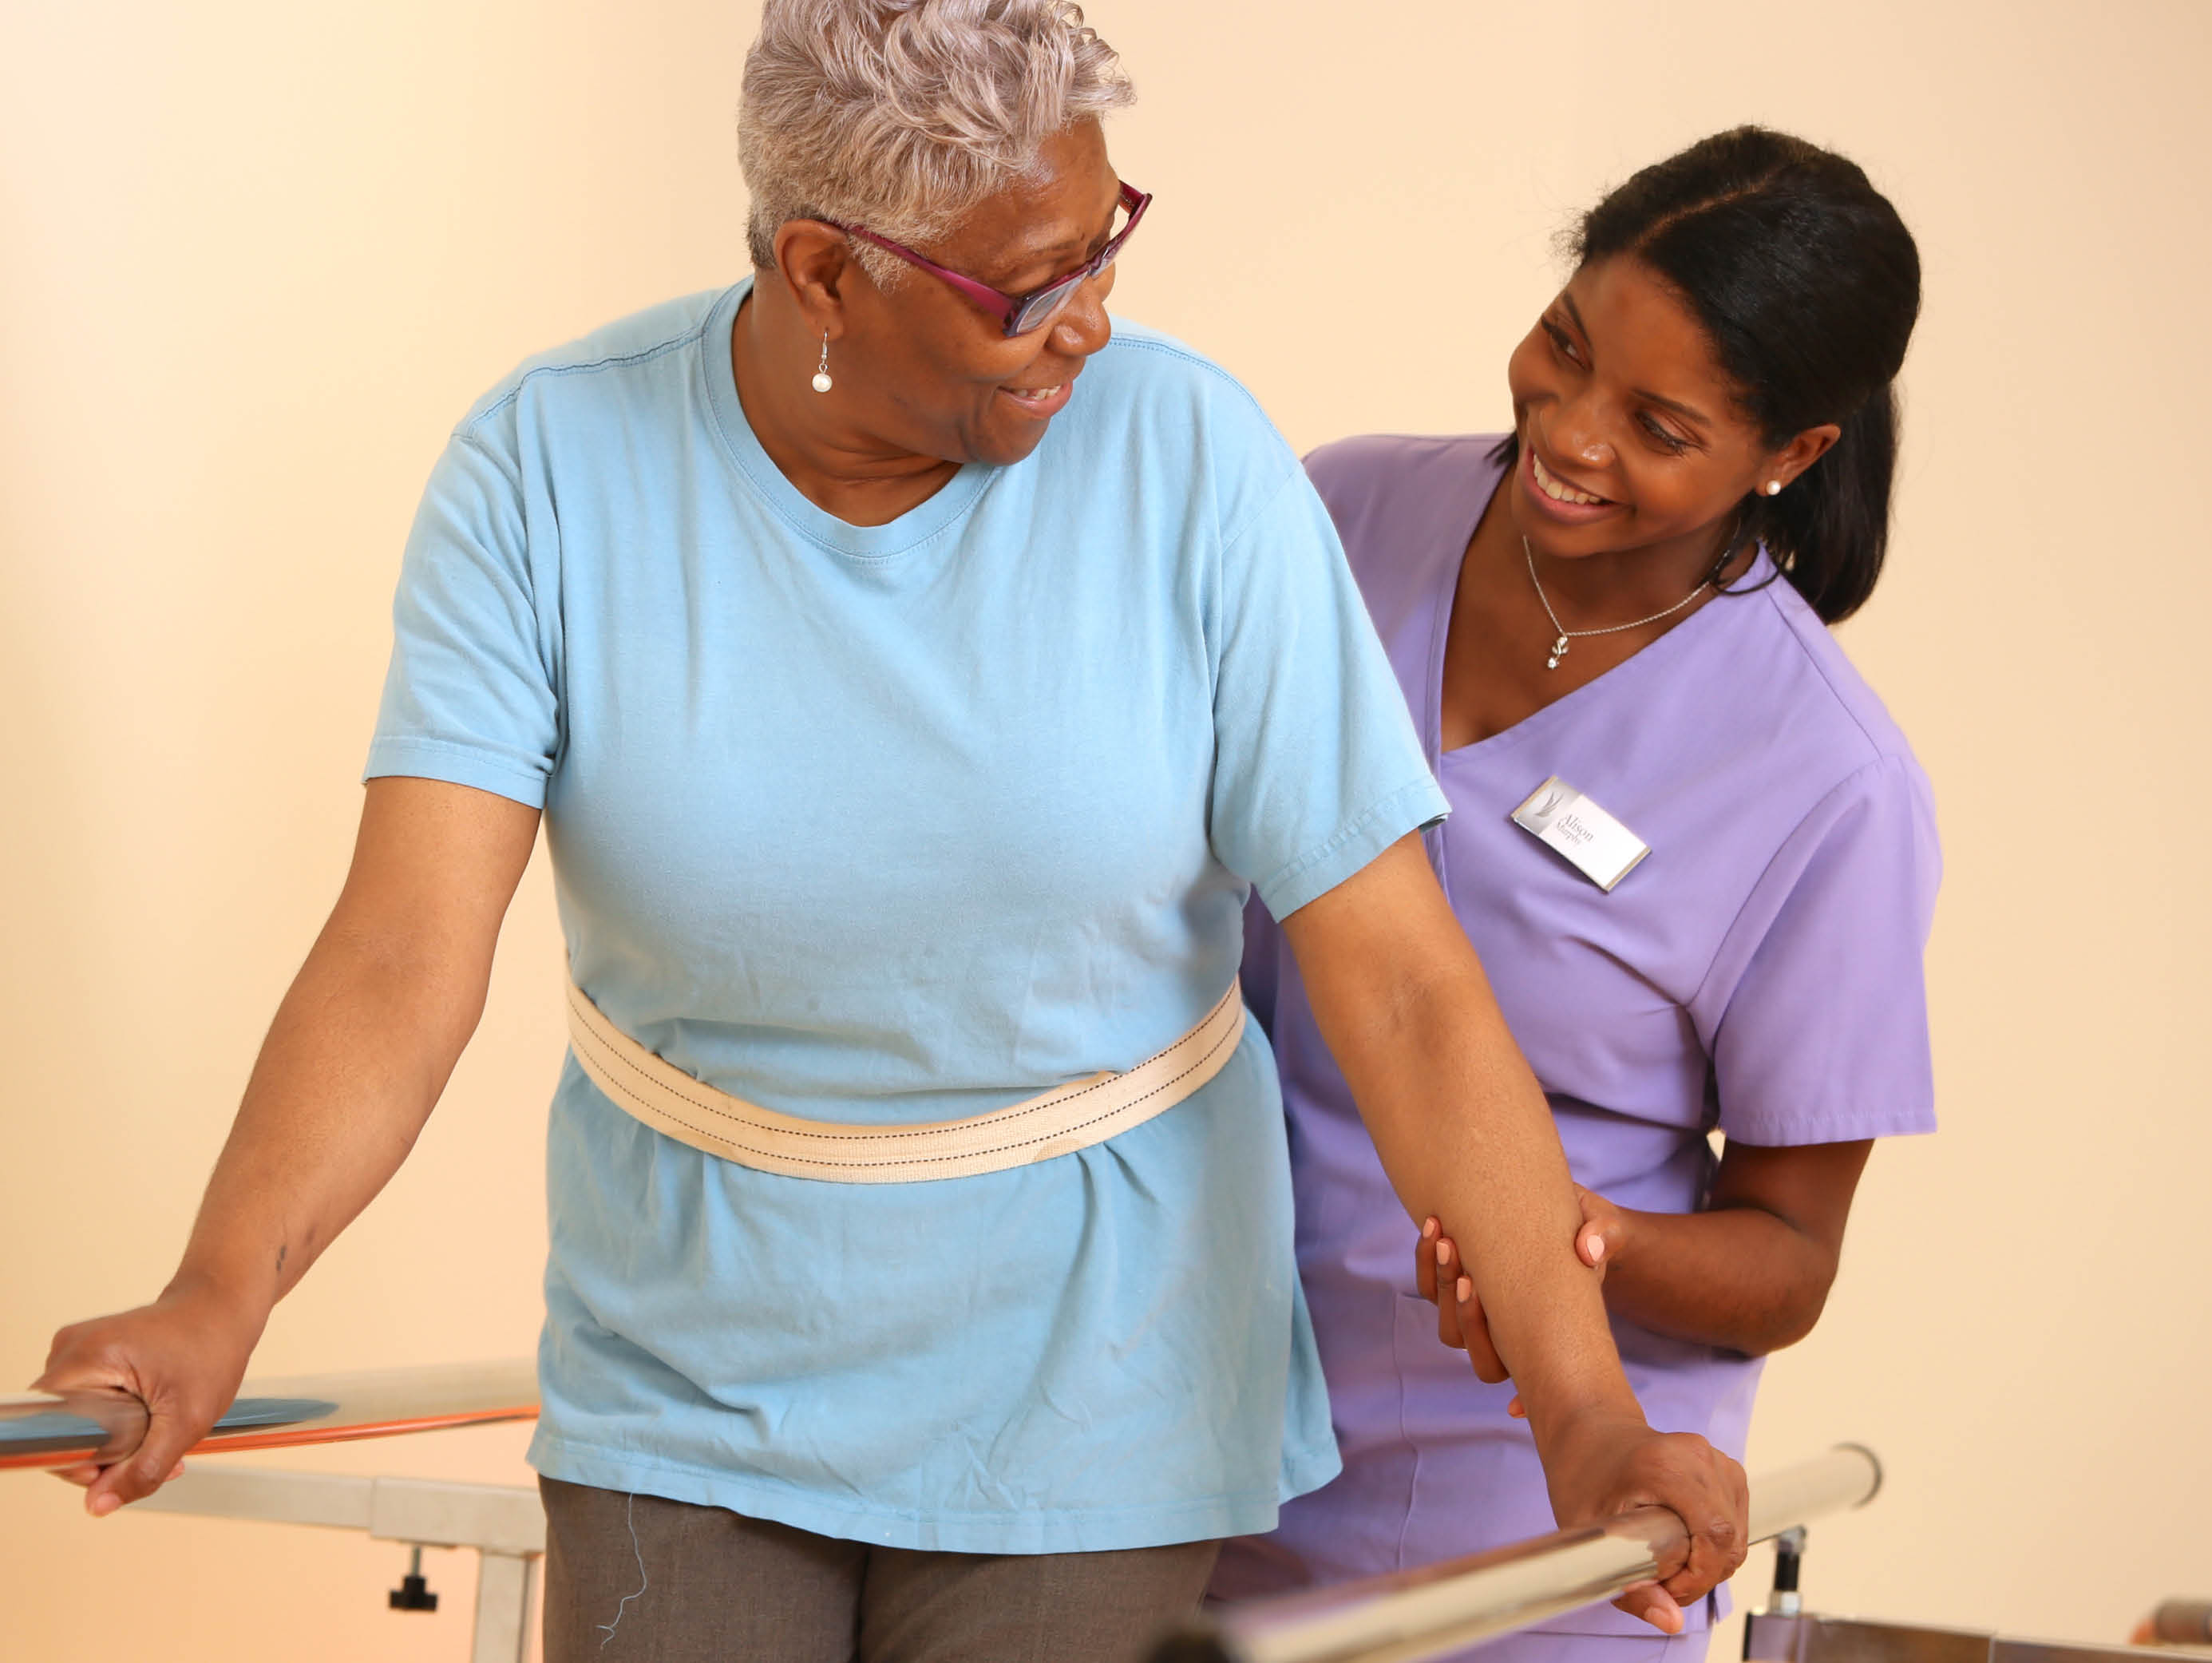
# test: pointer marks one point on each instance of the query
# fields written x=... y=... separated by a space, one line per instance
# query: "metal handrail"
x=2177 y=1623
x=1406 y=1618
x=1411 y=1616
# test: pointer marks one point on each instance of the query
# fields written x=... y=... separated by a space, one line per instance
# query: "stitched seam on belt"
x=912 y=1161
x=982 y=1122
x=918 y=1161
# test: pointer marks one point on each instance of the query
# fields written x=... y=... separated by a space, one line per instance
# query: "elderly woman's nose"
x=1084 y=327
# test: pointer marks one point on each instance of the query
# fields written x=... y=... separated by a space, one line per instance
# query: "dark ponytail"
x=1808 y=285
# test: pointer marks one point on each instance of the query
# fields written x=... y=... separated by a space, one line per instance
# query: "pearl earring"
x=1773 y=486
x=822 y=381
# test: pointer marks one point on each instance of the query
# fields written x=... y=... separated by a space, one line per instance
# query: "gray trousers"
x=642 y=1580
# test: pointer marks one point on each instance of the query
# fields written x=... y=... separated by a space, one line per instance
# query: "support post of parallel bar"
x=505 y=1582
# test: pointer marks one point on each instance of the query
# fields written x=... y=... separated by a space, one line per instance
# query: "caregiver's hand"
x=1607 y=1463
x=1440 y=1274
x=183 y=1357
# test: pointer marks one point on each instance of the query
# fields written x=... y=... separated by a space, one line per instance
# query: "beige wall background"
x=256 y=258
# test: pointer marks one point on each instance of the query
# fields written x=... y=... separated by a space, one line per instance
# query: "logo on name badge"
x=1569 y=824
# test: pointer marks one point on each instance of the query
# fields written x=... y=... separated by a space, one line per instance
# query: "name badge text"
x=1565 y=821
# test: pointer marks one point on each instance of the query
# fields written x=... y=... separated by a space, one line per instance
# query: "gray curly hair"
x=903 y=115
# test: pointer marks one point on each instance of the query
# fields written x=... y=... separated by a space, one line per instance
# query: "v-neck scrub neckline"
x=1428 y=718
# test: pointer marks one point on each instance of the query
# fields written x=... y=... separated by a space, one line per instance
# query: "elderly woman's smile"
x=1041 y=402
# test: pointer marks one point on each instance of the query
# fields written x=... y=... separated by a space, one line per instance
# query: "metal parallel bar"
x=504 y=1523
x=1413 y=1615
x=494 y=1518
x=329 y=1500
x=1770 y=1638
x=2003 y=1648
x=46 y=1429
x=2182 y=1622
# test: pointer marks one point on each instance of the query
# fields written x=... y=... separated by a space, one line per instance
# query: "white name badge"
x=1598 y=846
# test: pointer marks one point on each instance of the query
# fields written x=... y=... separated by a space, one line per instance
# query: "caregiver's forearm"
x=1461 y=1126
x=1742 y=1280
x=1751 y=1271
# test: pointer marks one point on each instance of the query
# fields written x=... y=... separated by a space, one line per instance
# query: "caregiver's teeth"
x=1556 y=492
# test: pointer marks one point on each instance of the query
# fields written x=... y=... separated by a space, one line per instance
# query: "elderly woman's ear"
x=813 y=263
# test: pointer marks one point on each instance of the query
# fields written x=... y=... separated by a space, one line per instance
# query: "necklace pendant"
x=1558 y=652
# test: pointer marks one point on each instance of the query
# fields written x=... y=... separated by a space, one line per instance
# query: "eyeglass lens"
x=1042 y=307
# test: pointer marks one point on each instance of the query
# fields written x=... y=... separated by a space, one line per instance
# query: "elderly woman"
x=908 y=725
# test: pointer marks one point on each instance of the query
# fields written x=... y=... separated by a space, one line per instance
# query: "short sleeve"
x=1316 y=767
x=470 y=696
x=1817 y=1006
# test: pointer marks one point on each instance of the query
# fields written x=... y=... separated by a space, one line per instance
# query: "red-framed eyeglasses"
x=1020 y=313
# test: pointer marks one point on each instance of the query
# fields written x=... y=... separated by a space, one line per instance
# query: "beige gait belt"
x=1071 y=1117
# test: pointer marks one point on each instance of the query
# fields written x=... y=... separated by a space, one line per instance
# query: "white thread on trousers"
x=630 y=1517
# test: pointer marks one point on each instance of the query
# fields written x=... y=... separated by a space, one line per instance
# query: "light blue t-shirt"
x=904 y=822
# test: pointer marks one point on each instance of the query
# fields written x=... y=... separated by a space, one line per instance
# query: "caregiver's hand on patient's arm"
x=1747 y=1273
x=1443 y=1279
x=361 y=1048
x=1465 y=1136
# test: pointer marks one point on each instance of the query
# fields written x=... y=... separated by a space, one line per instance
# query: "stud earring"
x=1773 y=486
x=822 y=381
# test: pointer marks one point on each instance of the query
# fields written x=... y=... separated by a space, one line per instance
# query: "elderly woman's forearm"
x=349 y=1073
x=1465 y=1134
x=1459 y=1120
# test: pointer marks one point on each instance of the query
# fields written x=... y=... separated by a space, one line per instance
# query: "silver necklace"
x=1566 y=635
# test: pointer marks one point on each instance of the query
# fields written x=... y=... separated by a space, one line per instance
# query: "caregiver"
x=909 y=724
x=1609 y=624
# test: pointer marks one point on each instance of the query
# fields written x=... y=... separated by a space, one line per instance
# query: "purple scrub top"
x=1759 y=972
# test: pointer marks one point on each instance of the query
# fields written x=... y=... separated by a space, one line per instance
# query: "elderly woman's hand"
x=182 y=1356
x=1607 y=1463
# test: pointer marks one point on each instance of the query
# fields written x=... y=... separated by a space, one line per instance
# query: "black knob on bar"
x=413 y=1593
x=1789 y=1556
